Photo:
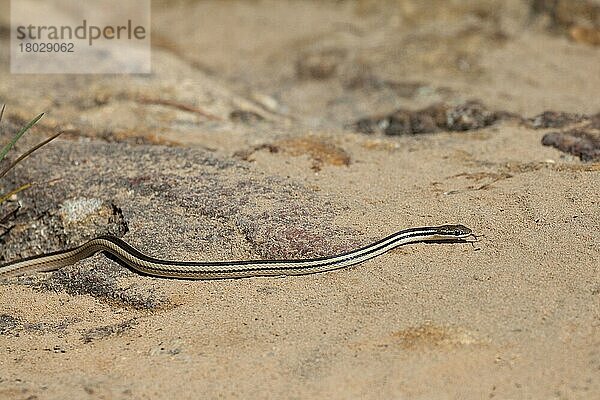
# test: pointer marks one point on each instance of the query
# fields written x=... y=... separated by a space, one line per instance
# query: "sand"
x=516 y=315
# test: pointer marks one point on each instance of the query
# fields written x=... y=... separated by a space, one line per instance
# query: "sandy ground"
x=515 y=316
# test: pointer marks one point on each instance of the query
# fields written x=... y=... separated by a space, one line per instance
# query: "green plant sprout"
x=9 y=145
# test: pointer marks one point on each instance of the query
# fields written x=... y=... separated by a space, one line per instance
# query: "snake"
x=147 y=265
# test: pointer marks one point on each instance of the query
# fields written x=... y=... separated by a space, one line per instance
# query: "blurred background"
x=322 y=65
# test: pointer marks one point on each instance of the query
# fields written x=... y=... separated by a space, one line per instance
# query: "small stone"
x=554 y=119
x=580 y=143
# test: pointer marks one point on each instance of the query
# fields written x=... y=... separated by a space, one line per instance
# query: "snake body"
x=227 y=269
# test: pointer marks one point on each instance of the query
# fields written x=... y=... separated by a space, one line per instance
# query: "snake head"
x=457 y=231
